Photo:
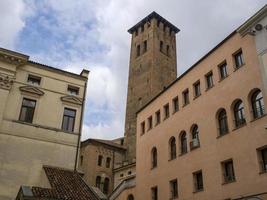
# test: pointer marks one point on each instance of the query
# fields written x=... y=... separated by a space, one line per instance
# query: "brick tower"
x=152 y=67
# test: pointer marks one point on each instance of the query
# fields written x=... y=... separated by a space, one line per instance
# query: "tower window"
x=197 y=89
x=108 y=161
x=138 y=50
x=168 y=50
x=136 y=32
x=166 y=111
x=175 y=104
x=142 y=28
x=99 y=162
x=186 y=97
x=161 y=46
x=150 y=123
x=143 y=128
x=158 y=117
x=145 y=46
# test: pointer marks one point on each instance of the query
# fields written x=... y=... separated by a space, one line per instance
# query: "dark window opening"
x=98 y=182
x=158 y=117
x=223 y=70
x=263 y=159
x=34 y=80
x=183 y=143
x=173 y=189
x=106 y=186
x=209 y=80
x=154 y=193
x=27 y=110
x=81 y=160
x=143 y=128
x=99 y=162
x=150 y=123
x=108 y=161
x=68 y=120
x=161 y=46
x=166 y=111
x=186 y=97
x=239 y=114
x=168 y=50
x=197 y=90
x=72 y=90
x=138 y=51
x=257 y=104
x=198 y=181
x=175 y=104
x=172 y=147
x=239 y=61
x=222 y=121
x=228 y=171
x=154 y=157
x=130 y=197
x=195 y=138
x=145 y=46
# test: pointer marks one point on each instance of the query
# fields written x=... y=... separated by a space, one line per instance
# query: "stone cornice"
x=13 y=57
x=71 y=99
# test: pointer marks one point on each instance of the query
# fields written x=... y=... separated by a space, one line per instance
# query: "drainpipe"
x=81 y=123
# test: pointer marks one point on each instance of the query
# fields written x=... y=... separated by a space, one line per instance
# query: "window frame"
x=99 y=160
x=257 y=104
x=239 y=113
x=166 y=109
x=143 y=127
x=198 y=183
x=197 y=89
x=222 y=121
x=74 y=119
x=186 y=98
x=34 y=77
x=71 y=89
x=154 y=158
x=173 y=189
x=27 y=107
x=228 y=176
x=150 y=123
x=237 y=55
x=223 y=72
x=138 y=50
x=154 y=193
x=157 y=117
x=209 y=80
x=175 y=104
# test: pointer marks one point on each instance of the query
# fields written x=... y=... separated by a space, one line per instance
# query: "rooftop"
x=152 y=16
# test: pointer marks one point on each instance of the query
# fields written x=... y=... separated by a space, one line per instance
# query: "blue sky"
x=73 y=35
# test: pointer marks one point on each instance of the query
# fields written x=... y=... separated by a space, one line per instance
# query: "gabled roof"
x=151 y=16
x=65 y=185
x=103 y=142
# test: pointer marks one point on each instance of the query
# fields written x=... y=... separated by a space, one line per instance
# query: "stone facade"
x=219 y=130
x=26 y=146
x=152 y=67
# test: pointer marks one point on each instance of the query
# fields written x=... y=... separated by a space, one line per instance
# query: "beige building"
x=41 y=111
x=204 y=136
x=98 y=159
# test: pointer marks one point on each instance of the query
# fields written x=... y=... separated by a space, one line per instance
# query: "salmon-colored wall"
x=239 y=144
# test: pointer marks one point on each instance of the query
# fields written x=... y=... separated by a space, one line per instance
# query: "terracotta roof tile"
x=65 y=185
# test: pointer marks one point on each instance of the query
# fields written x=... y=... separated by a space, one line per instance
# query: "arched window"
x=195 y=137
x=106 y=186
x=154 y=157
x=222 y=122
x=239 y=113
x=257 y=104
x=100 y=158
x=98 y=182
x=172 y=148
x=130 y=197
x=183 y=142
x=108 y=162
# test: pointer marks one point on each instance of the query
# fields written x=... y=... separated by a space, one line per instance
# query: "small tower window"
x=138 y=51
x=142 y=28
x=161 y=46
x=168 y=50
x=145 y=46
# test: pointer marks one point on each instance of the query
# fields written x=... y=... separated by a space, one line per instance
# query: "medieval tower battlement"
x=152 y=67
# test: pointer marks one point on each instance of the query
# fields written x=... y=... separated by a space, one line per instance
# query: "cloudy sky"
x=92 y=34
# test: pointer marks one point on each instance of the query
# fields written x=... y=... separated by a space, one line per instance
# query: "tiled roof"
x=65 y=185
x=106 y=142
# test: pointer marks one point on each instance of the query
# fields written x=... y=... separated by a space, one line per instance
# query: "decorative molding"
x=6 y=81
x=72 y=99
x=31 y=90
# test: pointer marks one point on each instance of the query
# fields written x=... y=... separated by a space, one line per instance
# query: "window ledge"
x=185 y=104
x=221 y=79
x=152 y=168
x=44 y=127
x=157 y=124
x=193 y=148
x=181 y=154
x=263 y=172
x=227 y=182
x=175 y=111
x=171 y=159
x=240 y=126
x=207 y=89
x=165 y=118
x=221 y=135
x=172 y=198
x=237 y=68
x=196 y=191
x=195 y=97
x=148 y=129
x=259 y=117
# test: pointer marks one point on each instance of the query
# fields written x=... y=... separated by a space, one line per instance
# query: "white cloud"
x=96 y=36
